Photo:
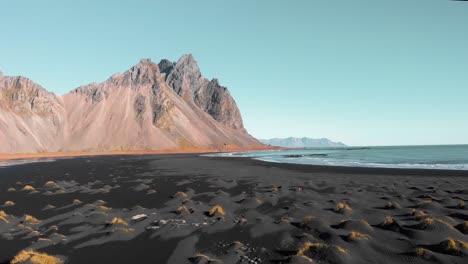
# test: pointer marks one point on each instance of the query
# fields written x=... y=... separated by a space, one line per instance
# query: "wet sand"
x=183 y=208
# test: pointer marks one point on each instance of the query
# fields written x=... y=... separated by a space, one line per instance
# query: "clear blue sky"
x=365 y=72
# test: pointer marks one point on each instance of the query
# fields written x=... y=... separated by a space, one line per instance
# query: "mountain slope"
x=151 y=106
x=31 y=119
x=292 y=142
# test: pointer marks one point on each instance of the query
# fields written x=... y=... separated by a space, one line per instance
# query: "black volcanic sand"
x=82 y=210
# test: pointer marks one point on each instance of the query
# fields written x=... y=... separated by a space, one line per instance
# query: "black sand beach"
x=192 y=209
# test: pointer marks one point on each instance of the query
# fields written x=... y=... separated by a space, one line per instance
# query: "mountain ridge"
x=302 y=142
x=151 y=106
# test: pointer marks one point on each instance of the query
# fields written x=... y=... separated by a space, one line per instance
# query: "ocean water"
x=453 y=157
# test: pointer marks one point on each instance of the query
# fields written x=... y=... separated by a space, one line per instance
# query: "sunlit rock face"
x=152 y=106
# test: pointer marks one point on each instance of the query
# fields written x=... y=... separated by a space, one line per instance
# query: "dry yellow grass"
x=103 y=208
x=456 y=246
x=420 y=252
x=182 y=209
x=31 y=219
x=429 y=221
x=418 y=214
x=118 y=221
x=340 y=207
x=463 y=244
x=217 y=209
x=51 y=184
x=309 y=245
x=452 y=245
x=3 y=217
x=388 y=221
x=76 y=201
x=180 y=194
x=9 y=203
x=355 y=236
x=28 y=188
x=461 y=204
x=3 y=214
x=33 y=257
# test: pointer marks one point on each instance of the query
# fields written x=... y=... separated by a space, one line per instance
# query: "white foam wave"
x=329 y=162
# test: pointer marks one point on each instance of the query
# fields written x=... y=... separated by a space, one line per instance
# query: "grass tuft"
x=341 y=207
x=51 y=184
x=183 y=209
x=420 y=252
x=356 y=236
x=31 y=219
x=3 y=217
x=28 y=188
x=118 y=221
x=217 y=209
x=180 y=194
x=453 y=246
x=388 y=221
x=33 y=257
x=310 y=245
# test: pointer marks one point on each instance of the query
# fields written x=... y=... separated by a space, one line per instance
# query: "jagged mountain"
x=304 y=142
x=168 y=105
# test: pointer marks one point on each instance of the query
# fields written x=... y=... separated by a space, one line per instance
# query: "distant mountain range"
x=304 y=142
x=152 y=106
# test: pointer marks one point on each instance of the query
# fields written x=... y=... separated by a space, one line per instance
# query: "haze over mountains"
x=152 y=106
x=304 y=142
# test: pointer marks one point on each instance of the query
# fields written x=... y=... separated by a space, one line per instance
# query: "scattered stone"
x=9 y=203
x=139 y=217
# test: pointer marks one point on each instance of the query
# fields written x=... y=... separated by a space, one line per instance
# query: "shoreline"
x=310 y=168
x=305 y=168
x=22 y=156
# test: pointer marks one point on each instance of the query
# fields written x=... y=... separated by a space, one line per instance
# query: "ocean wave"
x=416 y=157
x=367 y=164
x=6 y=163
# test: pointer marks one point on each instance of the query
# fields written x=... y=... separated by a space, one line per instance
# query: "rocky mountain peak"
x=24 y=96
x=185 y=77
x=166 y=66
x=144 y=72
x=165 y=105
